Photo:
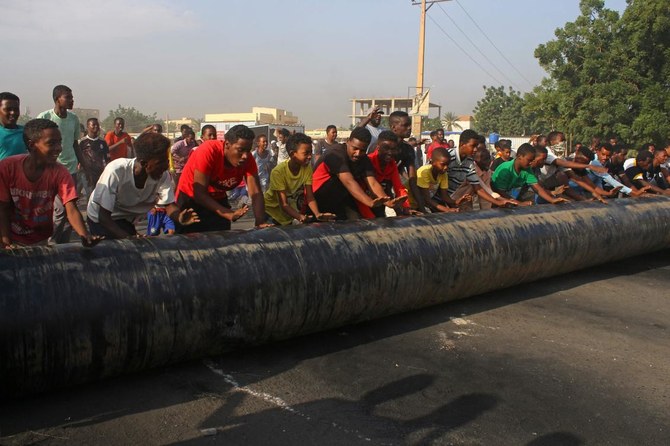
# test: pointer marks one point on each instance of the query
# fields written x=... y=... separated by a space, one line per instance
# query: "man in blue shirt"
x=603 y=154
x=11 y=134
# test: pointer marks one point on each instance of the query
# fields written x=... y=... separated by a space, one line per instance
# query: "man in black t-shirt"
x=647 y=171
x=339 y=174
x=93 y=153
x=401 y=125
x=323 y=146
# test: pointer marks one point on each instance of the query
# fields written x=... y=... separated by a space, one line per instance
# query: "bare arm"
x=666 y=174
x=77 y=152
x=573 y=165
x=413 y=187
x=375 y=187
x=444 y=194
x=202 y=197
x=363 y=122
x=5 y=224
x=542 y=192
x=348 y=181
x=183 y=217
x=77 y=222
x=432 y=204
x=653 y=188
x=145 y=130
x=586 y=184
x=256 y=195
x=287 y=209
x=484 y=195
x=313 y=205
x=118 y=143
x=106 y=221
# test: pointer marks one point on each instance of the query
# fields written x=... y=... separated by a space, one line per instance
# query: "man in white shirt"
x=372 y=122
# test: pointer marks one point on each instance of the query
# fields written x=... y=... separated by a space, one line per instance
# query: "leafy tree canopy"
x=500 y=111
x=135 y=120
x=608 y=74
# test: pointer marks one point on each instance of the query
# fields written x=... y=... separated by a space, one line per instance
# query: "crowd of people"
x=187 y=185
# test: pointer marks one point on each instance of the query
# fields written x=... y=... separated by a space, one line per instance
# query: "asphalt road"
x=579 y=359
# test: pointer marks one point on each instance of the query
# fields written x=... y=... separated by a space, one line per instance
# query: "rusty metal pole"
x=416 y=119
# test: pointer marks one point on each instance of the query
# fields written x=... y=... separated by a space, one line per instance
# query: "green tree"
x=582 y=62
x=608 y=74
x=645 y=27
x=431 y=123
x=134 y=119
x=540 y=108
x=24 y=117
x=501 y=111
x=450 y=121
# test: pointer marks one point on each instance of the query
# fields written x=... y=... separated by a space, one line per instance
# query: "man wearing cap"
x=372 y=122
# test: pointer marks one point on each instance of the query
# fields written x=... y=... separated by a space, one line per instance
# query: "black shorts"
x=334 y=198
x=98 y=229
x=209 y=221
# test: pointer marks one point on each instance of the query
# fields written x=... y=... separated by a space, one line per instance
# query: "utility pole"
x=425 y=6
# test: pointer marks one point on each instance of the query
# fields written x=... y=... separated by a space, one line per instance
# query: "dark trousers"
x=62 y=228
x=98 y=229
x=209 y=221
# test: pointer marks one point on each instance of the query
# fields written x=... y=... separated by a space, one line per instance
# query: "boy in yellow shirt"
x=433 y=182
x=290 y=192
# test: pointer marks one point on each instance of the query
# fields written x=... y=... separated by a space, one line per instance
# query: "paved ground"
x=579 y=359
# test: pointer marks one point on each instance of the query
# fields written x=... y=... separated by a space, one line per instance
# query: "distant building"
x=465 y=122
x=360 y=107
x=173 y=126
x=342 y=135
x=263 y=120
x=84 y=113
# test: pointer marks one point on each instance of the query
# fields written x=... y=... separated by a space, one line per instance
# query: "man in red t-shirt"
x=119 y=142
x=343 y=174
x=28 y=185
x=438 y=141
x=386 y=173
x=212 y=170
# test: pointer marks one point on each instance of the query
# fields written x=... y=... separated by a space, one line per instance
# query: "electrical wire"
x=512 y=83
x=464 y=52
x=494 y=45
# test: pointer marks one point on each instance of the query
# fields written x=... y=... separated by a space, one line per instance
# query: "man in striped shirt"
x=462 y=169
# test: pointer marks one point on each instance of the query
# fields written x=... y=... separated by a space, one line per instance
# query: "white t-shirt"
x=374 y=131
x=280 y=151
x=628 y=163
x=550 y=168
x=116 y=192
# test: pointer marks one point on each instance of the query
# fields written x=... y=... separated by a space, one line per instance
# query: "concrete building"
x=84 y=113
x=265 y=119
x=464 y=122
x=175 y=124
x=316 y=134
x=360 y=107
x=257 y=116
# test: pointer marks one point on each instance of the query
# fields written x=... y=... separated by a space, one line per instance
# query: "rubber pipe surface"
x=70 y=315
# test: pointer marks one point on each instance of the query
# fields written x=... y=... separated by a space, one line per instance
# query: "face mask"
x=559 y=149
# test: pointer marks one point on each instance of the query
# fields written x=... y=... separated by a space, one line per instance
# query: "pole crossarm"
x=429 y=3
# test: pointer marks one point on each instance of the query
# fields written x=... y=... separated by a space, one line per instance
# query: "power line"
x=465 y=52
x=478 y=49
x=494 y=45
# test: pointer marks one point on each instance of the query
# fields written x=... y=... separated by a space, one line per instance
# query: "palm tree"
x=449 y=120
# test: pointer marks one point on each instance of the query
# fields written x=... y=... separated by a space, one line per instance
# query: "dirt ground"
x=579 y=359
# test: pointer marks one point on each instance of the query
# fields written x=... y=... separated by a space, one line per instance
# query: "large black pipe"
x=70 y=315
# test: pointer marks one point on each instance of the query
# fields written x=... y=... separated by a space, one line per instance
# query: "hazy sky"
x=306 y=56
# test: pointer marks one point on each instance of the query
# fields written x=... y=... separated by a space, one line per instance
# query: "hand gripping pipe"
x=70 y=315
